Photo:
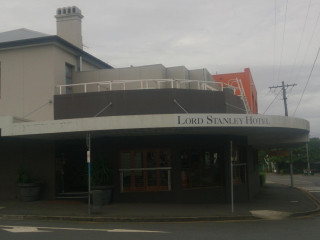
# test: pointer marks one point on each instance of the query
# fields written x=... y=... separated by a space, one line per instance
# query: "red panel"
x=248 y=85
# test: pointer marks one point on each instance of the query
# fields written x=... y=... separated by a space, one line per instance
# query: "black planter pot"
x=29 y=191
x=101 y=195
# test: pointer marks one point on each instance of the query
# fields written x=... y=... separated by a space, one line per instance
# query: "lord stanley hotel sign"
x=222 y=120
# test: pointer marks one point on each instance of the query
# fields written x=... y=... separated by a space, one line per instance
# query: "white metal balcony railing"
x=234 y=84
x=144 y=179
x=139 y=84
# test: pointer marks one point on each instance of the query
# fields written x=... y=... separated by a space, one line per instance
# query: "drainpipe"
x=80 y=63
x=204 y=75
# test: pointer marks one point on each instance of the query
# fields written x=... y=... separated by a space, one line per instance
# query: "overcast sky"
x=277 y=39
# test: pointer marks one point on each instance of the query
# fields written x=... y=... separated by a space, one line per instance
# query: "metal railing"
x=132 y=179
x=139 y=84
x=237 y=86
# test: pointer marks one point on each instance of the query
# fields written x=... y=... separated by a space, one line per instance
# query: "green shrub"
x=262 y=178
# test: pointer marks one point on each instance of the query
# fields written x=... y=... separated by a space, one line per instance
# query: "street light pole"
x=308 y=162
x=291 y=169
x=231 y=176
x=88 y=140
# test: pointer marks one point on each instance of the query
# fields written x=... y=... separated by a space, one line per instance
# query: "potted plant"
x=29 y=189
x=101 y=179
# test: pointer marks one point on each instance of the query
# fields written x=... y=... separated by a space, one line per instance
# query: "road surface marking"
x=20 y=229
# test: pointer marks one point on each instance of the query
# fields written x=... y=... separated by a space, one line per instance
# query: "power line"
x=282 y=46
x=301 y=37
x=272 y=102
x=283 y=37
x=274 y=39
x=308 y=47
x=305 y=87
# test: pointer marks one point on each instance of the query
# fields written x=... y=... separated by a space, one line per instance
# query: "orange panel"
x=248 y=85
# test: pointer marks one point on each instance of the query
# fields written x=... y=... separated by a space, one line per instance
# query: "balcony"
x=143 y=84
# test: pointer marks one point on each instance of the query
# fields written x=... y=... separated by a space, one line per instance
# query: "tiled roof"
x=20 y=34
x=25 y=37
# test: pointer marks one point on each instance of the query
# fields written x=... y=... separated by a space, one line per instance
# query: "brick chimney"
x=69 y=25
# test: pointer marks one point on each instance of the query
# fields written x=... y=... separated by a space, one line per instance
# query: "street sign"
x=88 y=157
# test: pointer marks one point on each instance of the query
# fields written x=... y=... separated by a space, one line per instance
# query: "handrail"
x=144 y=84
x=239 y=87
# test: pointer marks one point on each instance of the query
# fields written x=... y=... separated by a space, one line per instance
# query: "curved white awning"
x=261 y=130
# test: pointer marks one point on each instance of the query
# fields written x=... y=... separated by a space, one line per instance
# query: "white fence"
x=139 y=84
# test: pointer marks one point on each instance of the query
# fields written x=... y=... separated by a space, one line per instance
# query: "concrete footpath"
x=274 y=201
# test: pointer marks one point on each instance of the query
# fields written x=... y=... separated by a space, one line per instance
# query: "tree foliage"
x=299 y=158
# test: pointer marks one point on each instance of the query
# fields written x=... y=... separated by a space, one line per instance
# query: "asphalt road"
x=310 y=183
x=293 y=229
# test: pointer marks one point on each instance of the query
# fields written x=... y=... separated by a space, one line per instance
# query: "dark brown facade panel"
x=140 y=102
x=35 y=158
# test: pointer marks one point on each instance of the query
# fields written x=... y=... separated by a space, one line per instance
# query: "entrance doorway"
x=145 y=170
x=71 y=170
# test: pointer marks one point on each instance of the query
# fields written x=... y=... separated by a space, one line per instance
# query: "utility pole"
x=284 y=94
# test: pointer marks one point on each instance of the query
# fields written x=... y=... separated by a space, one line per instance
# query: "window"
x=145 y=170
x=68 y=75
x=201 y=169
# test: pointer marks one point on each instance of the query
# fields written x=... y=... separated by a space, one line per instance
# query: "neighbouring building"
x=245 y=84
x=156 y=133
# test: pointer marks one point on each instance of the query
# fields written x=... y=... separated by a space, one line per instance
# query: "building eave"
x=260 y=130
x=54 y=40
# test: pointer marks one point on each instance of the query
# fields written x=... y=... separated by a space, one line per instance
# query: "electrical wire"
x=305 y=87
x=307 y=51
x=274 y=52
x=283 y=38
x=302 y=34
x=289 y=92
x=272 y=102
x=274 y=40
